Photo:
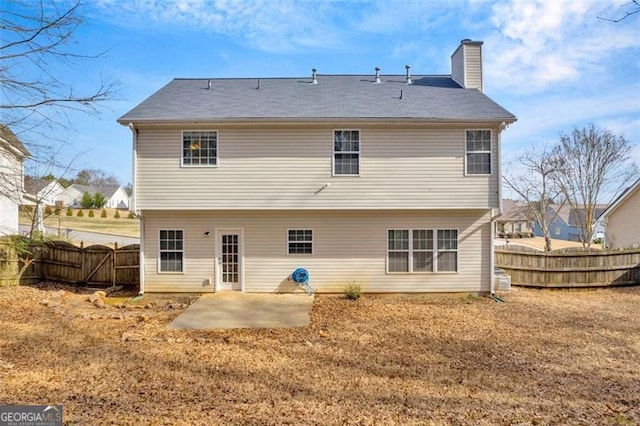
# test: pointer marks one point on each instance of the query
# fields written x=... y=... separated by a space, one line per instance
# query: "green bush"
x=87 y=201
x=56 y=211
x=48 y=210
x=104 y=213
x=28 y=209
x=69 y=211
x=352 y=291
x=116 y=215
x=131 y=216
x=80 y=213
x=91 y=214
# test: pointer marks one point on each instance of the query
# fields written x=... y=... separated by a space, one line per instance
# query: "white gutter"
x=495 y=215
x=133 y=206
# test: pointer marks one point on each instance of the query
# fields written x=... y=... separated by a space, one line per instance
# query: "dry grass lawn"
x=538 y=243
x=107 y=225
x=543 y=357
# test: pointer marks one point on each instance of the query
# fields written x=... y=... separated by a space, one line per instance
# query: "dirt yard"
x=543 y=357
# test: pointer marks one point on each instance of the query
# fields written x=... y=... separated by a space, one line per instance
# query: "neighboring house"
x=12 y=155
x=389 y=181
x=622 y=219
x=566 y=225
x=72 y=195
x=116 y=196
x=516 y=220
x=45 y=192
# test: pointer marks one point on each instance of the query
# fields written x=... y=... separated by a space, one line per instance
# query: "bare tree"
x=595 y=165
x=633 y=8
x=45 y=160
x=35 y=49
x=533 y=178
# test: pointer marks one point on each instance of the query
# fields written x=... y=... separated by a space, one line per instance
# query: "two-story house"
x=391 y=181
x=12 y=155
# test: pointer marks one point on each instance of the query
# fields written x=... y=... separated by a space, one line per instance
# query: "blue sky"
x=552 y=63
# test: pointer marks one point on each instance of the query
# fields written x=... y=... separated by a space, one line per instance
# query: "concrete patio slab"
x=232 y=309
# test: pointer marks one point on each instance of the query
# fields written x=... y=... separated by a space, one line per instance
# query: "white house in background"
x=622 y=219
x=46 y=192
x=72 y=195
x=116 y=196
x=391 y=181
x=12 y=155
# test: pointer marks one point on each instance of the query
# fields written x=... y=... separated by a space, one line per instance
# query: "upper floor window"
x=346 y=152
x=199 y=148
x=478 y=149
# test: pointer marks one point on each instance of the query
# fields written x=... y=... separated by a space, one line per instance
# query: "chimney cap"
x=469 y=41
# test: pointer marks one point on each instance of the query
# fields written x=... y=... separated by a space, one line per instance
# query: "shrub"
x=56 y=211
x=131 y=216
x=597 y=241
x=91 y=214
x=48 y=210
x=116 y=215
x=352 y=291
x=104 y=213
x=80 y=213
x=28 y=209
x=87 y=201
x=69 y=211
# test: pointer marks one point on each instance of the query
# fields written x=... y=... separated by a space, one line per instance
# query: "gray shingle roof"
x=429 y=98
x=12 y=139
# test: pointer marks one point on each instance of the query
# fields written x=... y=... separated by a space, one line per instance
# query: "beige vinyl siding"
x=466 y=66
x=347 y=246
x=623 y=224
x=473 y=70
x=287 y=168
x=457 y=65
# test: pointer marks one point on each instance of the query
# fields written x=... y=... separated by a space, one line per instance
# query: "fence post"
x=82 y=262
x=113 y=264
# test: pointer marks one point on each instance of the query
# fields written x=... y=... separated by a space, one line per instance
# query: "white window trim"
x=313 y=248
x=184 y=266
x=199 y=166
x=490 y=152
x=333 y=153
x=435 y=251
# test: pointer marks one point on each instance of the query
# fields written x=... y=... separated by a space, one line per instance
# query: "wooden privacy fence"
x=568 y=268
x=93 y=265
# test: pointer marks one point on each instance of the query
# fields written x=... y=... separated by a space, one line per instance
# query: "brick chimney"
x=466 y=64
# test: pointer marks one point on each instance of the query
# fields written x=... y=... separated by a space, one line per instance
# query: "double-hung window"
x=300 y=241
x=346 y=152
x=171 y=250
x=200 y=148
x=422 y=250
x=478 y=152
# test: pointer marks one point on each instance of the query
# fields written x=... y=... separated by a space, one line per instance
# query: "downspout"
x=495 y=215
x=134 y=207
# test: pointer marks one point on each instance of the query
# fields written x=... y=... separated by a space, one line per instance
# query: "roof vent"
x=408 y=67
x=258 y=87
x=378 y=75
x=401 y=94
x=314 y=79
x=209 y=85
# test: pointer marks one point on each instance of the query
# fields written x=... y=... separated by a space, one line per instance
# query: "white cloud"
x=537 y=45
x=272 y=26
